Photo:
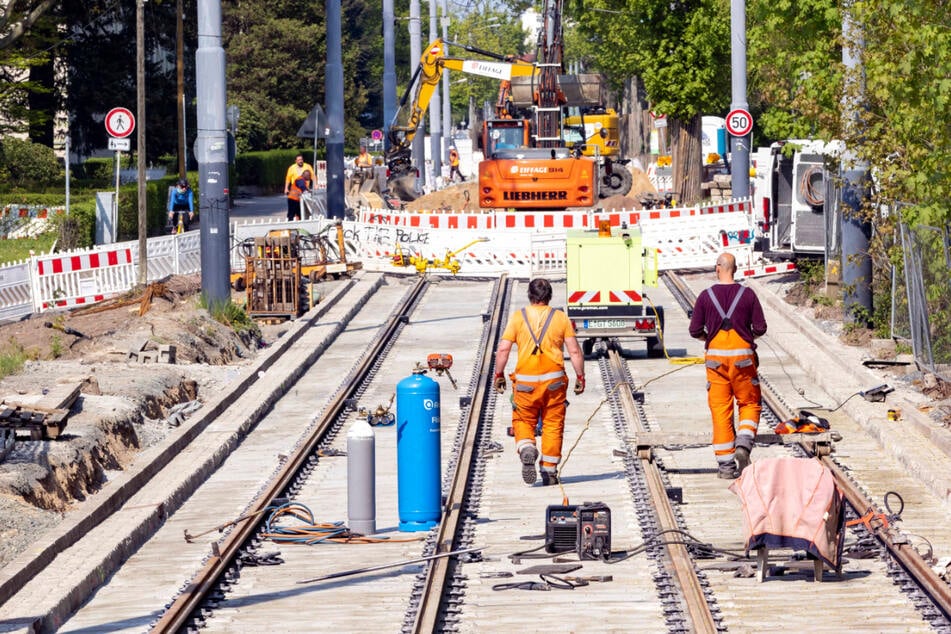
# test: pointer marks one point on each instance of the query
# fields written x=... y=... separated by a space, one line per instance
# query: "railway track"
x=636 y=441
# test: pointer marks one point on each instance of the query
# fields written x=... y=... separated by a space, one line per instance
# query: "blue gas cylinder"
x=418 y=452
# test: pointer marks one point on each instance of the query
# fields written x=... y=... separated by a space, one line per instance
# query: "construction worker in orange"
x=539 y=382
x=454 y=165
x=728 y=317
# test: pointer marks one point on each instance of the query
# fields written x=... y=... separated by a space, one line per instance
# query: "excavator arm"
x=420 y=91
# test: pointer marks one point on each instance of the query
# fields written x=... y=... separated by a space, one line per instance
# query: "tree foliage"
x=17 y=18
x=25 y=165
x=794 y=58
x=679 y=50
x=276 y=57
x=101 y=62
x=904 y=128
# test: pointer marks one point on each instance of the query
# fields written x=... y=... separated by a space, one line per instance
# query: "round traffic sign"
x=377 y=135
x=739 y=122
x=120 y=123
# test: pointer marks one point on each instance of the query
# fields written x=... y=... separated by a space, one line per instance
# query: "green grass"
x=12 y=358
x=231 y=315
x=17 y=249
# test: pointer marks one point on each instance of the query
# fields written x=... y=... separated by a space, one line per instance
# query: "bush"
x=266 y=169
x=25 y=165
x=96 y=173
x=156 y=206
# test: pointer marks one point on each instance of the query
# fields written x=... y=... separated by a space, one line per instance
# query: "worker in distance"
x=539 y=382
x=728 y=317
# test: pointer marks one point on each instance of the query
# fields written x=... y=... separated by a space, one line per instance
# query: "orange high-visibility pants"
x=540 y=396
x=732 y=378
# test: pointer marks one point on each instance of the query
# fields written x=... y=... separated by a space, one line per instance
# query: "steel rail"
x=683 y=567
x=937 y=589
x=431 y=594
x=904 y=553
x=176 y=617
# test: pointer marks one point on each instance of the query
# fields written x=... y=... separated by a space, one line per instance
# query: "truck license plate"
x=604 y=323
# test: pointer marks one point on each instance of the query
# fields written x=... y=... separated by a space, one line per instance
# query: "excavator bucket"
x=404 y=187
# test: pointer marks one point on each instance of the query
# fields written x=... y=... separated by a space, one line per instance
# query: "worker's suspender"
x=541 y=335
x=725 y=323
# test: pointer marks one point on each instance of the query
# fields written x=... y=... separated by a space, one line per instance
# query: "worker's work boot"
x=549 y=477
x=728 y=471
x=528 y=455
x=742 y=458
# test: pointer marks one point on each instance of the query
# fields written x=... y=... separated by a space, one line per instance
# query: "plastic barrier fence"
x=520 y=244
x=74 y=279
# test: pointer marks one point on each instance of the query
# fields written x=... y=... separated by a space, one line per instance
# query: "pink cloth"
x=792 y=503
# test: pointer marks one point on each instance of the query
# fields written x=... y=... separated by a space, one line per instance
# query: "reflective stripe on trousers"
x=546 y=400
x=732 y=378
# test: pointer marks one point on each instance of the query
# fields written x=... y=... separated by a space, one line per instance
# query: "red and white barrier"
x=65 y=280
x=541 y=220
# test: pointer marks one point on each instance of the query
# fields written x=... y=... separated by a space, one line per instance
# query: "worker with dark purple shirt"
x=728 y=317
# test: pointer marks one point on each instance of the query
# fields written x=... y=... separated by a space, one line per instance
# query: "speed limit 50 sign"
x=739 y=122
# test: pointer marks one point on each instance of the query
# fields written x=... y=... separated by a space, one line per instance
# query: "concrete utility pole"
x=211 y=150
x=333 y=89
x=446 y=106
x=739 y=146
x=435 y=107
x=140 y=139
x=180 y=77
x=415 y=52
x=389 y=72
x=856 y=231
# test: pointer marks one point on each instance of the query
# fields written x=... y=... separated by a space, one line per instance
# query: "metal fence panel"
x=927 y=259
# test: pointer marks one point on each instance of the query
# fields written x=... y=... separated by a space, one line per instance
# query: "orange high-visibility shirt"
x=551 y=356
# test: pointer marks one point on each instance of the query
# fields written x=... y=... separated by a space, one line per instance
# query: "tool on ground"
x=357 y=571
x=583 y=528
x=877 y=393
x=276 y=502
x=440 y=363
x=381 y=416
x=422 y=264
x=62 y=328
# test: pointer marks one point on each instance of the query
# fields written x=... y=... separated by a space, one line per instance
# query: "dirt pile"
x=456 y=197
x=124 y=403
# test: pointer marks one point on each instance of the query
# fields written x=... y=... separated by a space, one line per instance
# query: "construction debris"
x=43 y=420
x=161 y=354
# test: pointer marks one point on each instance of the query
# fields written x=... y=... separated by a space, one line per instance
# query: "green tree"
x=16 y=19
x=794 y=59
x=904 y=131
x=27 y=98
x=491 y=28
x=680 y=51
x=276 y=56
x=101 y=74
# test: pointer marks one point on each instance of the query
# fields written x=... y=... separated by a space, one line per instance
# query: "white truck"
x=794 y=197
x=607 y=271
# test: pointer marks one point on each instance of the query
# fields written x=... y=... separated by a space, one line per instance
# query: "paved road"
x=273 y=206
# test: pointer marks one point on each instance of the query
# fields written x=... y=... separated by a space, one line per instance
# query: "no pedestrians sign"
x=120 y=123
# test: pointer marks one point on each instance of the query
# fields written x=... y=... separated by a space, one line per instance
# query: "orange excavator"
x=401 y=177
